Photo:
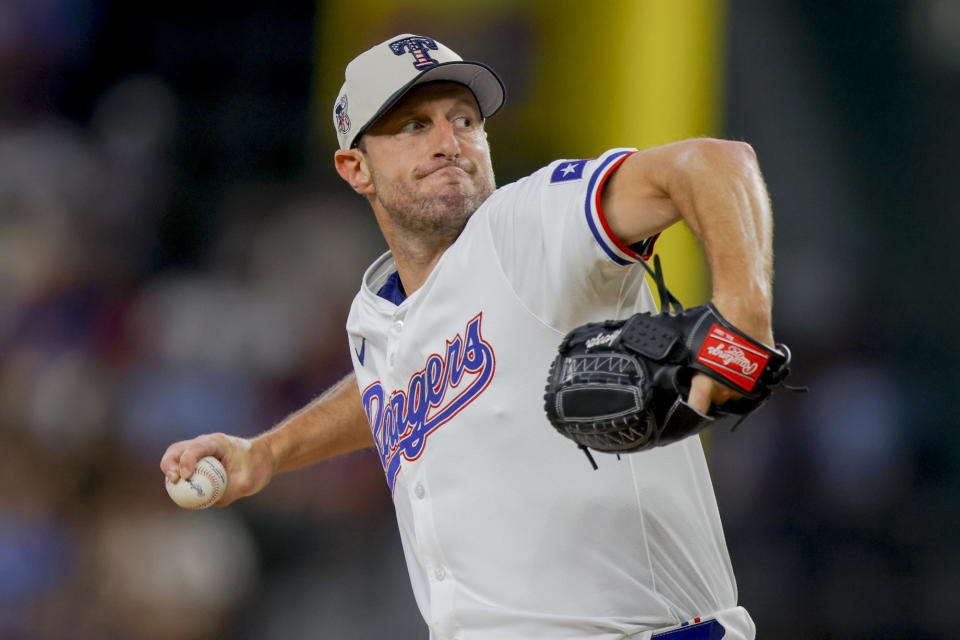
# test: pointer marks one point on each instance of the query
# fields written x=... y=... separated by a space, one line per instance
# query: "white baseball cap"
x=377 y=78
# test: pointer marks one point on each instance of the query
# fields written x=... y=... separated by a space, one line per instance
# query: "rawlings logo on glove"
x=723 y=350
x=621 y=386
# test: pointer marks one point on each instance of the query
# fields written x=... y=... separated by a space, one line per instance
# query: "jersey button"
x=398 y=326
x=439 y=573
x=419 y=491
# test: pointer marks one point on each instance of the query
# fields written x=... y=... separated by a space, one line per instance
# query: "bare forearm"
x=331 y=425
x=720 y=194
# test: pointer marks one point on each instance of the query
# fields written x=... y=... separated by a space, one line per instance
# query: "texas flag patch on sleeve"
x=568 y=170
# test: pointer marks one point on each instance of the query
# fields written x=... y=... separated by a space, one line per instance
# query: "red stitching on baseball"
x=214 y=484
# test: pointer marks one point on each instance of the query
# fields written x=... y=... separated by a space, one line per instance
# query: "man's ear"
x=352 y=167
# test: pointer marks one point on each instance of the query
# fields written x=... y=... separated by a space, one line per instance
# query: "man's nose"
x=445 y=139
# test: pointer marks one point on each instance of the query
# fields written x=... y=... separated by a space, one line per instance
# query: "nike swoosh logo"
x=362 y=352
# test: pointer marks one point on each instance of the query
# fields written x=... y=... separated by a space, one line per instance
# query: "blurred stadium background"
x=177 y=256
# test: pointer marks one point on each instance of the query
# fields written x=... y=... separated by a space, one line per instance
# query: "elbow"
x=710 y=162
x=722 y=155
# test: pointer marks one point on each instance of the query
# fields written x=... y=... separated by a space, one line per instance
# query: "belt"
x=707 y=630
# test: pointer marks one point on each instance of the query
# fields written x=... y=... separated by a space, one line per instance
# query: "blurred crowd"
x=107 y=355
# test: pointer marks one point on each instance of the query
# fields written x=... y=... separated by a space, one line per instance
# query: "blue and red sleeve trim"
x=608 y=241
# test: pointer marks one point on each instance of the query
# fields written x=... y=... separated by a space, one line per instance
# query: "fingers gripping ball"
x=202 y=489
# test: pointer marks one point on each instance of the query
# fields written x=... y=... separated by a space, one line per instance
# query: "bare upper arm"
x=635 y=200
x=645 y=194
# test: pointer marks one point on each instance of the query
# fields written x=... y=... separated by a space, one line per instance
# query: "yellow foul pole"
x=633 y=73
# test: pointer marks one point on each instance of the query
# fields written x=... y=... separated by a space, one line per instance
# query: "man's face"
x=429 y=160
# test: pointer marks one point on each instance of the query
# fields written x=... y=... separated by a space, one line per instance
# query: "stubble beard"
x=440 y=216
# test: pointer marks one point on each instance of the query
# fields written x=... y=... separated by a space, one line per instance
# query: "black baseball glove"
x=621 y=386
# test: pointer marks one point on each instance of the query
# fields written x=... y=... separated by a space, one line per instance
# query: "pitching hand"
x=249 y=465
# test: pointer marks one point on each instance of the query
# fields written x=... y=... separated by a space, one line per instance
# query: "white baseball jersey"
x=507 y=530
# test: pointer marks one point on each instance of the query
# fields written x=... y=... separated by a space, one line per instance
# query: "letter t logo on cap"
x=418 y=46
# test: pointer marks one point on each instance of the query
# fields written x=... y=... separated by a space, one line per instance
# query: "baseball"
x=201 y=490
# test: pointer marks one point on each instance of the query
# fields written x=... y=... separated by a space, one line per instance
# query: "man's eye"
x=464 y=122
x=411 y=126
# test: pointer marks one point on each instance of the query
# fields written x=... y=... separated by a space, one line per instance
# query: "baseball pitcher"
x=508 y=532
